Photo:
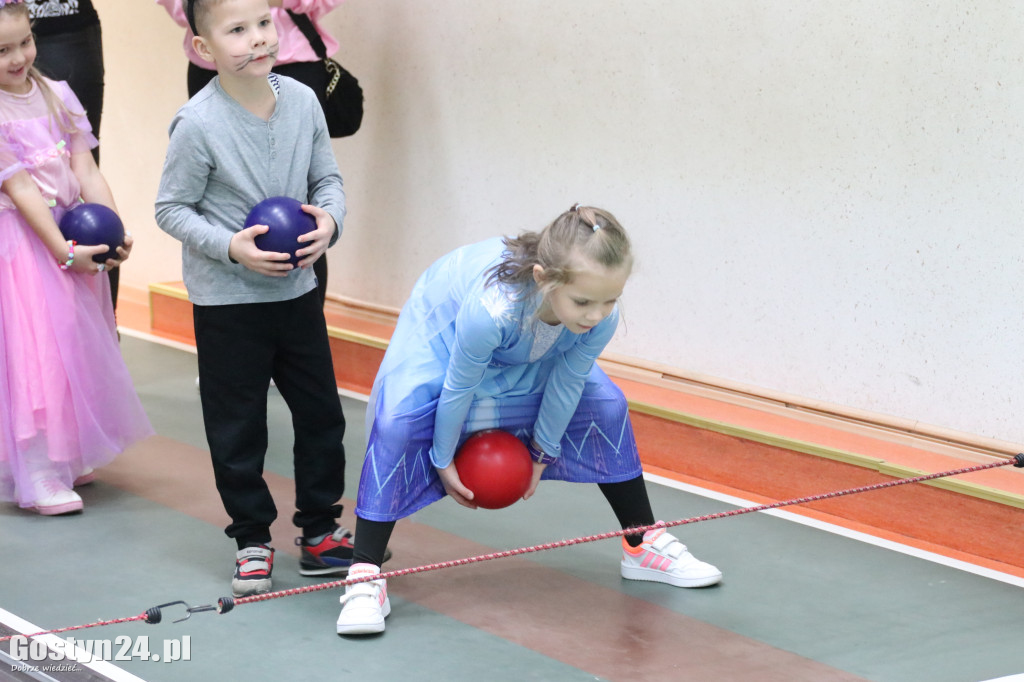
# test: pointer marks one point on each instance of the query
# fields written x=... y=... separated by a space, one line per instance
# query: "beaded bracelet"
x=71 y=255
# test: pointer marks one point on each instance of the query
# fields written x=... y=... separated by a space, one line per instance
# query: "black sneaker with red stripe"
x=253 y=566
x=332 y=555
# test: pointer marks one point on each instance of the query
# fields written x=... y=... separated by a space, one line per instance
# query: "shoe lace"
x=49 y=487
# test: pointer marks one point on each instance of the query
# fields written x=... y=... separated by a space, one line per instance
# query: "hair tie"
x=576 y=209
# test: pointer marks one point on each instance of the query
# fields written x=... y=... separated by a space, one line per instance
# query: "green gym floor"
x=798 y=602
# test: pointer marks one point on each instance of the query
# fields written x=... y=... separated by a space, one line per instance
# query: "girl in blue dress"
x=504 y=334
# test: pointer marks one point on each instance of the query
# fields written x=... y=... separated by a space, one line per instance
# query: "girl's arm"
x=563 y=390
x=476 y=336
x=565 y=385
x=29 y=201
x=95 y=190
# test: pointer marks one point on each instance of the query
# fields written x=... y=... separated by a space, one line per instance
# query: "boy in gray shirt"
x=249 y=135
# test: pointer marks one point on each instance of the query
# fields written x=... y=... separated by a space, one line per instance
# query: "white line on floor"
x=109 y=670
x=844 y=532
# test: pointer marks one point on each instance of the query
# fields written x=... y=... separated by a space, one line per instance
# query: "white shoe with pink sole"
x=54 y=499
x=364 y=606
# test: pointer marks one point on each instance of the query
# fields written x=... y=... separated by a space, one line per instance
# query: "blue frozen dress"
x=466 y=357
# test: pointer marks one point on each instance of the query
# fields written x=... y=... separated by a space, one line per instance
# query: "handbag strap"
x=306 y=26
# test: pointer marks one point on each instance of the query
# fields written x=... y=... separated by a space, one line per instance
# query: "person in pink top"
x=295 y=58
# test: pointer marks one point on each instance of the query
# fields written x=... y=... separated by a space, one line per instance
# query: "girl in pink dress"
x=67 y=404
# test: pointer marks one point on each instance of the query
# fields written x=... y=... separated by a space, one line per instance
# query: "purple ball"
x=91 y=225
x=287 y=222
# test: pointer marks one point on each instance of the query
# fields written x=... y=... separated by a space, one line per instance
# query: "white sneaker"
x=254 y=567
x=53 y=499
x=662 y=558
x=87 y=476
x=364 y=606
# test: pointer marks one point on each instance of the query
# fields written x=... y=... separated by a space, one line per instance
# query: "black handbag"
x=342 y=99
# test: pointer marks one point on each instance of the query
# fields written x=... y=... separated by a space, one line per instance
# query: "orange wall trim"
x=171 y=314
x=949 y=519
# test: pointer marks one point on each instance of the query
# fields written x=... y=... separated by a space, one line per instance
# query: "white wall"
x=824 y=196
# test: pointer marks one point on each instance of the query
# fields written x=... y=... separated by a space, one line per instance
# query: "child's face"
x=240 y=38
x=586 y=300
x=17 y=52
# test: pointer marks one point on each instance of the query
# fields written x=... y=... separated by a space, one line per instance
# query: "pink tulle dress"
x=67 y=403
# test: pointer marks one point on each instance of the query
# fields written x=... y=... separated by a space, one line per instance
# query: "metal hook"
x=154 y=614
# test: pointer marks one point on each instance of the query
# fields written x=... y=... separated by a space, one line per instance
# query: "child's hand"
x=123 y=252
x=125 y=249
x=538 y=469
x=243 y=250
x=319 y=239
x=83 y=258
x=453 y=485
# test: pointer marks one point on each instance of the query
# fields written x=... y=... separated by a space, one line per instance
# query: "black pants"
x=628 y=500
x=240 y=348
x=312 y=74
x=77 y=57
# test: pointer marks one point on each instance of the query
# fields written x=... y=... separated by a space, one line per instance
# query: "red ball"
x=496 y=466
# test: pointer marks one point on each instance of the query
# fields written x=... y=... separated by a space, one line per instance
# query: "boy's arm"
x=182 y=186
x=326 y=189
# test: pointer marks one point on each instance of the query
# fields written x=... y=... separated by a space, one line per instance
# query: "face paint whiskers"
x=271 y=54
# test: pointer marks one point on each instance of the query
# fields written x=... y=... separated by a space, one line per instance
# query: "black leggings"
x=628 y=500
x=309 y=73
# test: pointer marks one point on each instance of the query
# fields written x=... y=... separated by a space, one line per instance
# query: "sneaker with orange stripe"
x=662 y=558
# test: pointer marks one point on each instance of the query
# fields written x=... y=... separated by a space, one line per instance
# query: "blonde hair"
x=592 y=233
x=59 y=111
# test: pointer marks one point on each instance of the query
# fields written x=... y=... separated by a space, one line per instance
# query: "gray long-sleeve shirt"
x=221 y=161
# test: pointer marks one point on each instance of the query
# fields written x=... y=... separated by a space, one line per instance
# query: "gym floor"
x=798 y=601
